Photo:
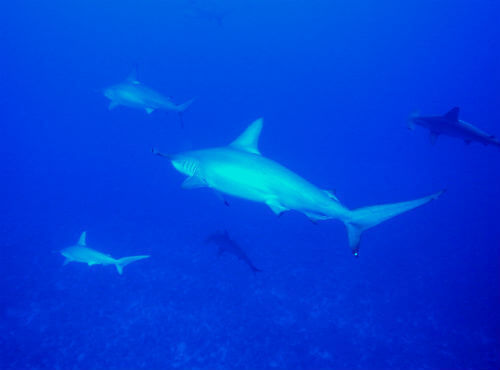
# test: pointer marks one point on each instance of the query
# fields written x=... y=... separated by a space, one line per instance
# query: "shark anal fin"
x=452 y=115
x=112 y=105
x=276 y=207
x=433 y=137
x=149 y=110
x=194 y=182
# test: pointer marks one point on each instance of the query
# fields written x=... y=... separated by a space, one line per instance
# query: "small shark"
x=208 y=11
x=81 y=253
x=450 y=125
x=132 y=93
x=240 y=170
x=227 y=245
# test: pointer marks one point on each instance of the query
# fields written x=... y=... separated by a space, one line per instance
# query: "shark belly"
x=87 y=255
x=259 y=179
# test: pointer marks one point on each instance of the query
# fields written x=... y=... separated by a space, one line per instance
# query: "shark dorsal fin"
x=248 y=141
x=82 y=240
x=132 y=77
x=452 y=115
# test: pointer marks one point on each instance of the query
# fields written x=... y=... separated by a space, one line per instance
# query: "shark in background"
x=450 y=125
x=227 y=245
x=240 y=170
x=210 y=11
x=81 y=253
x=132 y=93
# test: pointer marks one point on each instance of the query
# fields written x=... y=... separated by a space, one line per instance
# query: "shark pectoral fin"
x=411 y=124
x=276 y=207
x=433 y=136
x=194 y=182
x=91 y=263
x=149 y=110
x=66 y=261
x=112 y=105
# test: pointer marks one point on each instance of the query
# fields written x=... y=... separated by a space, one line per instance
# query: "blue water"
x=335 y=82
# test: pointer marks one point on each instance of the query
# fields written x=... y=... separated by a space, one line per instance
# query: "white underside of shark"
x=81 y=253
x=241 y=171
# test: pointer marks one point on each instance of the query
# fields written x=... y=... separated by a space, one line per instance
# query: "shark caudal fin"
x=365 y=218
x=122 y=262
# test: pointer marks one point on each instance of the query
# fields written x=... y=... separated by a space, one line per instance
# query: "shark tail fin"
x=365 y=218
x=122 y=262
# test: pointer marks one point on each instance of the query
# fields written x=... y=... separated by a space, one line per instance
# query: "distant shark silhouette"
x=132 y=93
x=208 y=11
x=450 y=125
x=240 y=170
x=81 y=253
x=227 y=245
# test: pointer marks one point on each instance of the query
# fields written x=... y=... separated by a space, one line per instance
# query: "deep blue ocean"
x=335 y=82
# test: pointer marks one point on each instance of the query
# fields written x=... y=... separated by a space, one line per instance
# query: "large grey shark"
x=132 y=93
x=240 y=170
x=450 y=125
x=81 y=253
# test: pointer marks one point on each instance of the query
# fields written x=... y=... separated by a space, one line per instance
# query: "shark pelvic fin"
x=276 y=207
x=149 y=110
x=194 y=182
x=248 y=141
x=452 y=115
x=222 y=198
x=83 y=239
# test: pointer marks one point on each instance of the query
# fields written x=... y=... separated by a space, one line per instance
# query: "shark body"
x=131 y=93
x=81 y=253
x=450 y=125
x=241 y=171
x=227 y=245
